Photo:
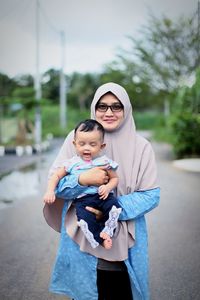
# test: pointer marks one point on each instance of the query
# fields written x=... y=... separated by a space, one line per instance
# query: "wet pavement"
x=28 y=246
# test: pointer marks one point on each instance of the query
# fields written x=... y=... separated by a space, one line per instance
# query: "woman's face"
x=109 y=119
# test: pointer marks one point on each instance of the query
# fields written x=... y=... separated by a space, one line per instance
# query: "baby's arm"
x=105 y=189
x=49 y=196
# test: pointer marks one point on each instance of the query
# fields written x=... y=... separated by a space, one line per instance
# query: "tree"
x=50 y=85
x=24 y=80
x=166 y=54
x=7 y=85
x=125 y=73
x=81 y=89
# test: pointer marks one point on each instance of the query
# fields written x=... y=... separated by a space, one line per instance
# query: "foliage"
x=186 y=129
x=24 y=80
x=148 y=120
x=168 y=52
x=7 y=85
x=51 y=124
x=50 y=85
x=81 y=89
x=185 y=121
x=24 y=96
x=165 y=55
x=141 y=96
x=188 y=98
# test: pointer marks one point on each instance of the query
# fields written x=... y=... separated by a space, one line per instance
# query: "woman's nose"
x=109 y=111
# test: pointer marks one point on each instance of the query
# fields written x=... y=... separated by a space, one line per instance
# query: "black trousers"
x=103 y=205
x=113 y=285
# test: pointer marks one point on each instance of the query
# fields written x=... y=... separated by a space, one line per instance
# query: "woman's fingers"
x=95 y=176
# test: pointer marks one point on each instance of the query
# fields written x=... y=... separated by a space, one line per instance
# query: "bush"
x=51 y=122
x=148 y=120
x=185 y=129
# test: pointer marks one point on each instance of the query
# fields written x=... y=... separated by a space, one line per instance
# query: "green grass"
x=148 y=120
x=51 y=124
x=156 y=122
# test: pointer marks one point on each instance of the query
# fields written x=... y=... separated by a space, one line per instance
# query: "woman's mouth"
x=109 y=121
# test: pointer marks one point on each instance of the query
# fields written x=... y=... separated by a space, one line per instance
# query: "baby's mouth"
x=87 y=156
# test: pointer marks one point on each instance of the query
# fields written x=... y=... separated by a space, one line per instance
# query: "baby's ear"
x=103 y=146
x=74 y=142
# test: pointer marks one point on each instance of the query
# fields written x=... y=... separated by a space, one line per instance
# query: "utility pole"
x=38 y=125
x=63 y=96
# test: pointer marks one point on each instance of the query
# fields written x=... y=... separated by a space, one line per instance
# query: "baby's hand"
x=49 y=197
x=103 y=192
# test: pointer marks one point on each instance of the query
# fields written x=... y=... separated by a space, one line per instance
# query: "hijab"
x=120 y=143
x=137 y=172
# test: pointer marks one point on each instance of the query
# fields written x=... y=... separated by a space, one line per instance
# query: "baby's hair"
x=89 y=125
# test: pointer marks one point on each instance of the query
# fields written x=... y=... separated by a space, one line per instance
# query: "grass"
x=51 y=122
x=149 y=120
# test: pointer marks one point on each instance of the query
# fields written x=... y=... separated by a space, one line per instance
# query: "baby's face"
x=88 y=144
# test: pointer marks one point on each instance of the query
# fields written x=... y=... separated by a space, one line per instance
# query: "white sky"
x=93 y=29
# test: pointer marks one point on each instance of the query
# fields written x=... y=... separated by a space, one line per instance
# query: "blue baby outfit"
x=87 y=220
x=74 y=273
x=76 y=165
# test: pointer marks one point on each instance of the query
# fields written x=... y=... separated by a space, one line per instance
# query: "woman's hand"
x=95 y=176
x=95 y=211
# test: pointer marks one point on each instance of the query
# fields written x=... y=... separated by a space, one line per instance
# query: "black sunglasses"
x=116 y=107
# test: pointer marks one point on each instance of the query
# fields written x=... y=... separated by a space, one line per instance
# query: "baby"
x=88 y=142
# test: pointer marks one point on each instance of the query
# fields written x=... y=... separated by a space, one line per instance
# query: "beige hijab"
x=136 y=171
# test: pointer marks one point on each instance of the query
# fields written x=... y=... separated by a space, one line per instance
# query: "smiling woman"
x=110 y=113
x=81 y=271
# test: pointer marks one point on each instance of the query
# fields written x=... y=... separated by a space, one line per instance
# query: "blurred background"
x=53 y=56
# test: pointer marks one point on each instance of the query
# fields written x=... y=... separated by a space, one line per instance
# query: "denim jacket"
x=74 y=273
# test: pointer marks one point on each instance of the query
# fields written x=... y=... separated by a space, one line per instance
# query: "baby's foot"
x=107 y=243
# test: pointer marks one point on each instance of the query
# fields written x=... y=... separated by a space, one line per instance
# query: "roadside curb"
x=25 y=150
x=189 y=164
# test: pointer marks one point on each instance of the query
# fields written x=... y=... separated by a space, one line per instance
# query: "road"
x=28 y=246
x=174 y=238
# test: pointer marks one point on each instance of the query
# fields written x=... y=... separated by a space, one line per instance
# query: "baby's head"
x=88 y=139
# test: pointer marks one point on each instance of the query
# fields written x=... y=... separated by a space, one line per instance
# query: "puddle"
x=24 y=183
x=17 y=186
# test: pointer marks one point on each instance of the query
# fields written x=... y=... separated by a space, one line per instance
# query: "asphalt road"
x=28 y=246
x=174 y=238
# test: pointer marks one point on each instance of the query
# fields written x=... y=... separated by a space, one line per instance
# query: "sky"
x=94 y=31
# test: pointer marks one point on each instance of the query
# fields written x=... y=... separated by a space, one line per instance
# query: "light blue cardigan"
x=74 y=272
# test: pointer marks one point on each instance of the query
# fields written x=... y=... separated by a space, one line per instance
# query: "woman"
x=122 y=272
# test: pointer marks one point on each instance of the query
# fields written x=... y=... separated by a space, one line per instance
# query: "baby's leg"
x=88 y=234
x=111 y=223
x=87 y=221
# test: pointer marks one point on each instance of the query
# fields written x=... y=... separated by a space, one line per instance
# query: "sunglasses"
x=116 y=107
